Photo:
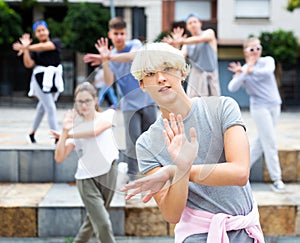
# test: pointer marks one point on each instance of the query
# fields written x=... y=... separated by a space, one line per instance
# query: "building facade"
x=232 y=20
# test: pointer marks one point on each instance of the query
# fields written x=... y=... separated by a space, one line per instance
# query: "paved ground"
x=15 y=124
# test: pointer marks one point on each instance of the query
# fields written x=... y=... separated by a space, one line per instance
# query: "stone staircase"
x=39 y=199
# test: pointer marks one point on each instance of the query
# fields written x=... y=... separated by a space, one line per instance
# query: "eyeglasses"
x=83 y=102
x=252 y=49
x=166 y=69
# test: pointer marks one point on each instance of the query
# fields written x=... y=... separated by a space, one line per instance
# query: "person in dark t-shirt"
x=46 y=80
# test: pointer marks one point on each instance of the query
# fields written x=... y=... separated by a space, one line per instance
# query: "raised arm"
x=105 y=52
x=89 y=129
x=235 y=171
x=238 y=77
x=24 y=46
x=63 y=149
x=170 y=197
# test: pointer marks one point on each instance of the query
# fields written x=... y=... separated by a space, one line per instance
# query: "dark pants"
x=136 y=122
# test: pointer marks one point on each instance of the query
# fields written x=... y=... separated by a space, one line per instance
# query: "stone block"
x=298 y=166
x=297 y=223
x=9 y=167
x=256 y=172
x=171 y=229
x=65 y=171
x=36 y=166
x=288 y=163
x=278 y=220
x=18 y=222
x=145 y=221
x=59 y=222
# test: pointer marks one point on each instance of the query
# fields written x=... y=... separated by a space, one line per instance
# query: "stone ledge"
x=40 y=210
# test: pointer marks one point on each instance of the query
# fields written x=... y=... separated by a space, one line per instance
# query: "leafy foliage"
x=83 y=25
x=161 y=35
x=292 y=4
x=10 y=27
x=280 y=44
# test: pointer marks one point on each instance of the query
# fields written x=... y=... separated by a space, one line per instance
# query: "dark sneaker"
x=31 y=138
x=278 y=186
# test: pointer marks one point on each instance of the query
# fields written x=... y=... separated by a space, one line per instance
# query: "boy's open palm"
x=182 y=151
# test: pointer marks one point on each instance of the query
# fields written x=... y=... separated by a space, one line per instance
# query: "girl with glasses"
x=89 y=131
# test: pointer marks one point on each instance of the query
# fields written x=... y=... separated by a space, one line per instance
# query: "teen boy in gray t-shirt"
x=199 y=180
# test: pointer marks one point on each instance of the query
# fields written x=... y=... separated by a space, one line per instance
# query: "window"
x=185 y=7
x=252 y=9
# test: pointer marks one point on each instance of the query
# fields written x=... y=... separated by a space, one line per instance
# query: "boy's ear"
x=142 y=85
x=183 y=76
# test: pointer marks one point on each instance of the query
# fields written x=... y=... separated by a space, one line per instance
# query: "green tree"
x=292 y=4
x=83 y=25
x=10 y=27
x=281 y=45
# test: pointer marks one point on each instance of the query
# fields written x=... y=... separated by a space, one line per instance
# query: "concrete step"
x=129 y=239
x=119 y=239
x=35 y=164
x=47 y=210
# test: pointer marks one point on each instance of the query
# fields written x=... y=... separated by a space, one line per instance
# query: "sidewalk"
x=15 y=123
x=279 y=212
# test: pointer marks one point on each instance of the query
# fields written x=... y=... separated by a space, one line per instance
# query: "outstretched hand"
x=176 y=38
x=68 y=121
x=23 y=43
x=94 y=59
x=235 y=67
x=54 y=134
x=103 y=49
x=182 y=152
x=149 y=184
x=104 y=53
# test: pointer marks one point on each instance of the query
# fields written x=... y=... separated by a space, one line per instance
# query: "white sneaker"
x=278 y=186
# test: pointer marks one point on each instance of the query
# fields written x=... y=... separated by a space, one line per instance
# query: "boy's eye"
x=167 y=69
x=149 y=74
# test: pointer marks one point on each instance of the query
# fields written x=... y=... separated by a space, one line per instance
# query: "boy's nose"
x=160 y=77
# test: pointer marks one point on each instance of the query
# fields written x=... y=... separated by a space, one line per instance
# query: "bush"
x=11 y=30
x=281 y=45
x=83 y=25
x=292 y=4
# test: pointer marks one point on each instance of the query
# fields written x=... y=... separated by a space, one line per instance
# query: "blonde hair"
x=152 y=56
x=249 y=40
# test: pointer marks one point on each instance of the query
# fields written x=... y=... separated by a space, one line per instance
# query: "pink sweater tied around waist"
x=216 y=225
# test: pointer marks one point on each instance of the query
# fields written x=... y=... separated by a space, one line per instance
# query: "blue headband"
x=191 y=15
x=38 y=23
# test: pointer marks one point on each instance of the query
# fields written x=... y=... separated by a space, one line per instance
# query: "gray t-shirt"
x=211 y=116
x=133 y=97
x=202 y=56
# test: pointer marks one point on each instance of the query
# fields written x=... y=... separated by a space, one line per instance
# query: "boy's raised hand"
x=103 y=49
x=182 y=152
